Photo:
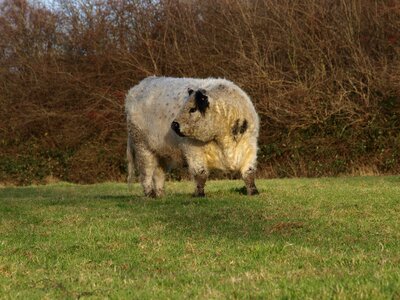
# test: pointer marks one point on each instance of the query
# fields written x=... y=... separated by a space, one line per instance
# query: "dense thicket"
x=323 y=74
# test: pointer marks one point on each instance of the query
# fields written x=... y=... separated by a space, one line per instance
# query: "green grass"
x=300 y=239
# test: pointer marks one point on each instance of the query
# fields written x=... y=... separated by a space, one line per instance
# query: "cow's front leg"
x=248 y=176
x=199 y=172
x=200 y=178
x=194 y=155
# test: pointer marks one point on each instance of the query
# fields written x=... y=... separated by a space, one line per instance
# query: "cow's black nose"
x=175 y=127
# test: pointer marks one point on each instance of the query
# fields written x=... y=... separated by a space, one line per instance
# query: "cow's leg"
x=200 y=177
x=130 y=159
x=158 y=181
x=197 y=168
x=147 y=163
x=248 y=175
x=248 y=170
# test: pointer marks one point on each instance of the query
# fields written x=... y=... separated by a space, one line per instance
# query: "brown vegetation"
x=324 y=75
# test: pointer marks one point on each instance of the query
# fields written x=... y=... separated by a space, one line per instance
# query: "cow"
x=204 y=124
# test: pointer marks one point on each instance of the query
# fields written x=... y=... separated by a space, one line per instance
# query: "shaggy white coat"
x=151 y=107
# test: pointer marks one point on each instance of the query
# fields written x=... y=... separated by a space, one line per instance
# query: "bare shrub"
x=324 y=75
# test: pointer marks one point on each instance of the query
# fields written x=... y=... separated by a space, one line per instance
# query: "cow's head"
x=195 y=120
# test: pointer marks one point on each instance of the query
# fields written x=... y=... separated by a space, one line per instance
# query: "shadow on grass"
x=229 y=215
x=223 y=214
x=230 y=222
x=118 y=198
x=242 y=190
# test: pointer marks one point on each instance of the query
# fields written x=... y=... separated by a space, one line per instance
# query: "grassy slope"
x=301 y=238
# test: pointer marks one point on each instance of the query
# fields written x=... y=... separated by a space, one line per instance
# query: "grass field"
x=300 y=238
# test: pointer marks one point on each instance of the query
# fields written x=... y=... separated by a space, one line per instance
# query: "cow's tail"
x=130 y=159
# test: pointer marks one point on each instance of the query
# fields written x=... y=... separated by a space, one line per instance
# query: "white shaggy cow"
x=204 y=123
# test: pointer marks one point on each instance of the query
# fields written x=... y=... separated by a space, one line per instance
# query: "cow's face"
x=195 y=120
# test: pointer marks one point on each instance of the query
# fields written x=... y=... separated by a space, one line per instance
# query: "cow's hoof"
x=199 y=195
x=151 y=194
x=159 y=193
x=252 y=192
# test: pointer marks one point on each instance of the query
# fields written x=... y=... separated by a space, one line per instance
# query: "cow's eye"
x=192 y=110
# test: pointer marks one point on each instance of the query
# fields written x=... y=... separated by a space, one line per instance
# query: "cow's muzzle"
x=175 y=127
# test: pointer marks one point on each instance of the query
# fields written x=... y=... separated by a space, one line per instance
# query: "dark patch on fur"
x=175 y=127
x=244 y=126
x=190 y=91
x=201 y=101
x=235 y=128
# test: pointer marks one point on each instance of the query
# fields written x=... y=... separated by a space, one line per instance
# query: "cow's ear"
x=190 y=91
x=201 y=101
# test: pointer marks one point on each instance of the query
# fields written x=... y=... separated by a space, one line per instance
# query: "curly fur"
x=218 y=124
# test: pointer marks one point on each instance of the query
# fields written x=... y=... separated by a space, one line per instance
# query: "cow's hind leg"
x=248 y=176
x=147 y=164
x=130 y=159
x=158 y=181
x=248 y=170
